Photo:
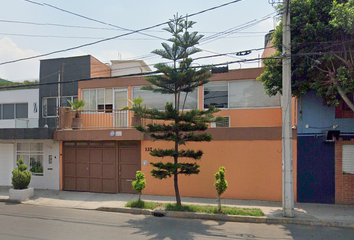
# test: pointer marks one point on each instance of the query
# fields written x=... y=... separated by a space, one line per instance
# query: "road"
x=23 y=221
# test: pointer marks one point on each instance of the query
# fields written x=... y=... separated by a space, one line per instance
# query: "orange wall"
x=96 y=120
x=253 y=170
x=262 y=117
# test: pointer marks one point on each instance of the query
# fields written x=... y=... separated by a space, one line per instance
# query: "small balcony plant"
x=77 y=106
x=136 y=105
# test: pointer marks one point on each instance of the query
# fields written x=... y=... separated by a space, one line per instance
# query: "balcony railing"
x=100 y=119
x=26 y=122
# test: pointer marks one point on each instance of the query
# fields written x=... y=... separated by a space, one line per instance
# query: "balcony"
x=96 y=119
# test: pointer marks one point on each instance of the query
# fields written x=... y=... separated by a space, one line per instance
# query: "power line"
x=100 y=28
x=78 y=37
x=156 y=72
x=111 y=38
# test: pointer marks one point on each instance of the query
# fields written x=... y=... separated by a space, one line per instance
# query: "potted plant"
x=77 y=106
x=135 y=107
x=21 y=178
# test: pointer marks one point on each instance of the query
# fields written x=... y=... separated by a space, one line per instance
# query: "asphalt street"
x=22 y=221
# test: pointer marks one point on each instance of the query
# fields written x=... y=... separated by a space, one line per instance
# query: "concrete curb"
x=229 y=218
x=10 y=201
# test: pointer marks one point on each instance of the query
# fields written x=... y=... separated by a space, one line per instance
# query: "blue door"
x=315 y=170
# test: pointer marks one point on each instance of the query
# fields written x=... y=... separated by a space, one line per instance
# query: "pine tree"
x=174 y=124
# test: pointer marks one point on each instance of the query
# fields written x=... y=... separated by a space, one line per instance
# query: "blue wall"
x=319 y=117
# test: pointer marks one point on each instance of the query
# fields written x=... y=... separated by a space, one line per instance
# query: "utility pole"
x=288 y=192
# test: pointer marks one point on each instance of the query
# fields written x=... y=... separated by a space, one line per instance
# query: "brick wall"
x=344 y=190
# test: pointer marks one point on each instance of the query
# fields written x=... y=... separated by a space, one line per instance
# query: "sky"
x=30 y=28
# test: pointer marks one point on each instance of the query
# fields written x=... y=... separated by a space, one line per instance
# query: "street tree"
x=220 y=184
x=139 y=184
x=322 y=43
x=174 y=124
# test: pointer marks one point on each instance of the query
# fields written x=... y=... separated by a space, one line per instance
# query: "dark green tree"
x=174 y=124
x=220 y=184
x=322 y=43
x=21 y=178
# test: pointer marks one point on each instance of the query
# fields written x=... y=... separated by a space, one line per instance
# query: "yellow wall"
x=253 y=170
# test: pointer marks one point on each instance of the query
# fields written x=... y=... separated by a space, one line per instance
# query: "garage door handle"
x=129 y=180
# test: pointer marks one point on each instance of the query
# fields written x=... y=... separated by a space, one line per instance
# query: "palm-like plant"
x=77 y=105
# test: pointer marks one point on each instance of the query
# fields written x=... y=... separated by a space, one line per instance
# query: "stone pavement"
x=305 y=213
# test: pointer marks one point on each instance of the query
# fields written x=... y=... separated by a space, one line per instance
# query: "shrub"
x=21 y=178
x=139 y=184
x=220 y=185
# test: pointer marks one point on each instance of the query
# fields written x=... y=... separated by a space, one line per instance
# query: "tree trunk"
x=178 y=197
x=139 y=196
x=219 y=203
x=343 y=95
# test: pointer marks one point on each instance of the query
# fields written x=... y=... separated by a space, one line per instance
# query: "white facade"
x=49 y=154
x=124 y=67
x=12 y=108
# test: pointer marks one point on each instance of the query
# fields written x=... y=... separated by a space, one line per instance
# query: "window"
x=343 y=110
x=223 y=123
x=13 y=110
x=158 y=101
x=98 y=99
x=348 y=158
x=216 y=94
x=8 y=111
x=21 y=110
x=250 y=94
x=238 y=94
x=32 y=156
x=50 y=105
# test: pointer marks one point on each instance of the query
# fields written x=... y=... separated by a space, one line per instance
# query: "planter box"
x=21 y=195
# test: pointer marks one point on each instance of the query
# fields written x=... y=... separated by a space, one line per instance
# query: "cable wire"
x=111 y=38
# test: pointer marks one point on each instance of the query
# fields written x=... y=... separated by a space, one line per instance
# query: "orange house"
x=105 y=153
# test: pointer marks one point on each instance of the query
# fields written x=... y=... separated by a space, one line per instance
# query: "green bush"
x=21 y=178
x=220 y=185
x=140 y=183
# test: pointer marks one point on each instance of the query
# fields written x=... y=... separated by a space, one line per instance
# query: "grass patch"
x=256 y=212
x=143 y=204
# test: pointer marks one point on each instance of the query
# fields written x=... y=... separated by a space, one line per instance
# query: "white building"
x=21 y=137
x=19 y=108
x=125 y=67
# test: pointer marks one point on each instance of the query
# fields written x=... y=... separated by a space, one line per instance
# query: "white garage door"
x=6 y=163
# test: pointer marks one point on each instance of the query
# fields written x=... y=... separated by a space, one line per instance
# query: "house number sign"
x=148 y=149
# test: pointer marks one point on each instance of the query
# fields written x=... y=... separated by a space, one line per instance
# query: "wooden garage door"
x=129 y=163
x=90 y=167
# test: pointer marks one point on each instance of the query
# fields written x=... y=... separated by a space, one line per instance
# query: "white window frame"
x=57 y=101
x=96 y=94
x=31 y=153
x=348 y=158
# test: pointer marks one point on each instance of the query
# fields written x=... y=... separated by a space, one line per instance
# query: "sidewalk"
x=305 y=213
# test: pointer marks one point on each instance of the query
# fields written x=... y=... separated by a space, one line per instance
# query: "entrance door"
x=120 y=101
x=315 y=170
x=6 y=163
x=129 y=163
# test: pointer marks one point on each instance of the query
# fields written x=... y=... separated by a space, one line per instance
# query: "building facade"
x=104 y=155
